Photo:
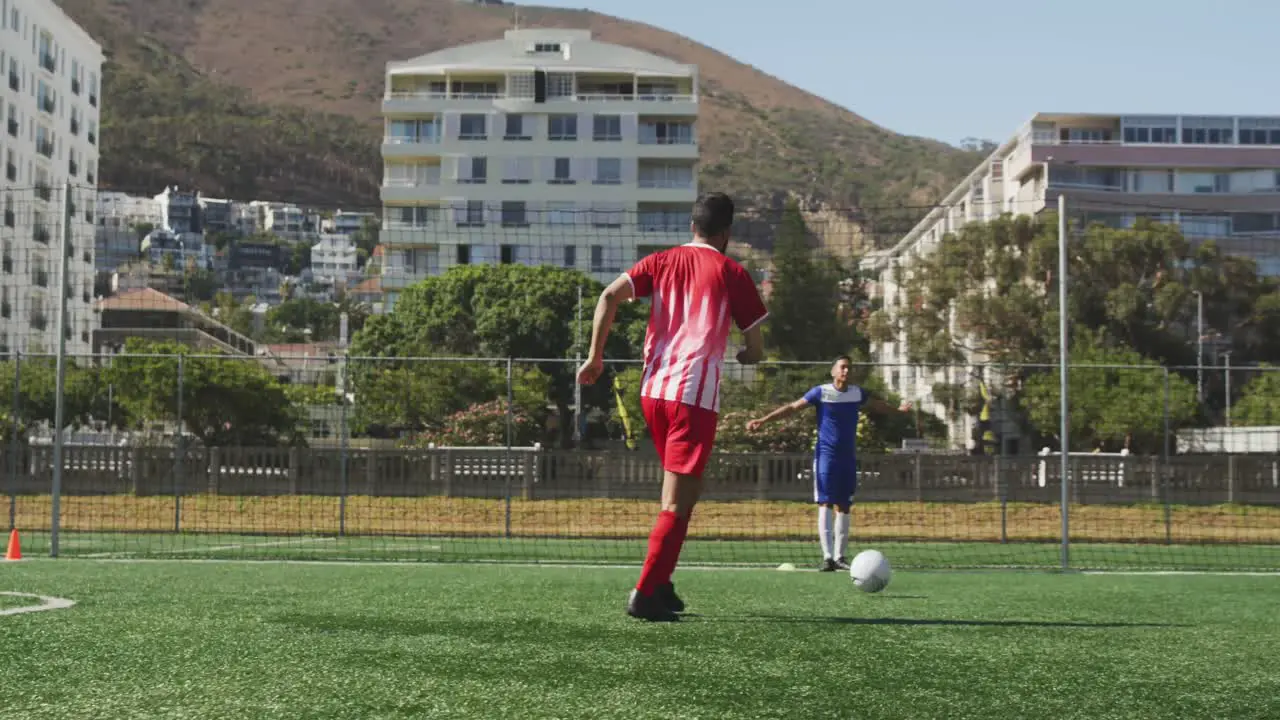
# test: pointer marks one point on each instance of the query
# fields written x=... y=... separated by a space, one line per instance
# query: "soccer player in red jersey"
x=696 y=291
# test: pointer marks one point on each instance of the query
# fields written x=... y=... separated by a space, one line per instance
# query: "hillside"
x=250 y=99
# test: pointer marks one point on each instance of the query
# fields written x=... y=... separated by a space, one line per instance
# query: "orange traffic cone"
x=15 y=547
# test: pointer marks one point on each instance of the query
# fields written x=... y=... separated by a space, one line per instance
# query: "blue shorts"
x=834 y=481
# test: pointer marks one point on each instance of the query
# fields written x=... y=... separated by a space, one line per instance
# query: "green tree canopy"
x=1111 y=408
x=808 y=319
x=1259 y=403
x=232 y=401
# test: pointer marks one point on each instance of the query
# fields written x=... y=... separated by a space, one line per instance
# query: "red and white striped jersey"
x=696 y=291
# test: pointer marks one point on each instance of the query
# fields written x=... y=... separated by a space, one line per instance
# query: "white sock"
x=824 y=531
x=842 y=532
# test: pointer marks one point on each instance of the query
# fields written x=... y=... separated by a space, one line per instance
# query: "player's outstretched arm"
x=753 y=352
x=606 y=307
x=790 y=408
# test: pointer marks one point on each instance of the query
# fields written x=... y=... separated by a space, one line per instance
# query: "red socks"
x=665 y=543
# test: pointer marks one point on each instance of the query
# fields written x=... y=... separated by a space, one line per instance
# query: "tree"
x=232 y=401
x=805 y=319
x=1111 y=408
x=1259 y=403
x=989 y=294
x=498 y=311
x=85 y=396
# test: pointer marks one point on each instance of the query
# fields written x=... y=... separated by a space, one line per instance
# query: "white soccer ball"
x=870 y=571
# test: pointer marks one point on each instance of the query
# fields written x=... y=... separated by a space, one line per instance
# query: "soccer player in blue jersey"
x=835 y=459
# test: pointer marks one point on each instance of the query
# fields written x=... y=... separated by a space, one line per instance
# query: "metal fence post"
x=13 y=440
x=1164 y=467
x=180 y=454
x=59 y=412
x=344 y=460
x=1063 y=367
x=510 y=431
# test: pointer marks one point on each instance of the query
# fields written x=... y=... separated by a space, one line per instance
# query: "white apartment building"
x=1217 y=177
x=543 y=147
x=346 y=222
x=333 y=259
x=50 y=106
x=179 y=210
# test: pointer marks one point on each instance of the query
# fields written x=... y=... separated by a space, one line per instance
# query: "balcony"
x=663 y=221
x=420 y=146
x=408 y=102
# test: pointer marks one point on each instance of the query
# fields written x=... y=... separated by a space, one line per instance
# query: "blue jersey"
x=837 y=416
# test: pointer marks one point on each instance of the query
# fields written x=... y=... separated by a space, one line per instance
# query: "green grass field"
x=171 y=639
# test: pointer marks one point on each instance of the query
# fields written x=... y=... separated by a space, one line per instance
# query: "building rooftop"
x=579 y=53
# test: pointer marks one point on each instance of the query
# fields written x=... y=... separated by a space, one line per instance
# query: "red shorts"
x=683 y=434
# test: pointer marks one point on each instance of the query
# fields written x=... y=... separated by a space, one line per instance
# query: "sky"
x=950 y=69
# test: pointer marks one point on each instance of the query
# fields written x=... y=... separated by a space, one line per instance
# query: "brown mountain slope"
x=762 y=138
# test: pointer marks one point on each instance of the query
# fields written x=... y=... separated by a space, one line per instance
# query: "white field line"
x=212 y=548
x=46 y=603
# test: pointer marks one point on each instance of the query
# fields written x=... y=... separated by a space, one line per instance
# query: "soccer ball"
x=870 y=571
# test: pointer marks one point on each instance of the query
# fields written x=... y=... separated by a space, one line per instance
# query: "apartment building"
x=542 y=147
x=50 y=107
x=1216 y=176
x=346 y=222
x=179 y=210
x=334 y=259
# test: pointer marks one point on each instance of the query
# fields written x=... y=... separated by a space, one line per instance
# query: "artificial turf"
x=160 y=639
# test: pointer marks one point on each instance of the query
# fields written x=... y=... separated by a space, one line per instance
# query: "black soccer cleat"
x=827 y=565
x=842 y=563
x=651 y=608
x=668 y=595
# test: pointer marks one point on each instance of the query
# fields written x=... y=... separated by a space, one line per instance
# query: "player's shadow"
x=819 y=620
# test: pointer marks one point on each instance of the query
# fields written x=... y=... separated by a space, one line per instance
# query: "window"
x=75 y=76
x=46 y=101
x=666 y=133
x=607 y=128
x=1259 y=131
x=666 y=176
x=1151 y=181
x=473 y=127
x=546 y=47
x=93 y=89
x=1208 y=131
x=562 y=172
x=47 y=59
x=506 y=253
x=560 y=85
x=520 y=85
x=75 y=120
x=516 y=128
x=560 y=213
x=606 y=259
x=15 y=77
x=1084 y=135
x=474 y=213
x=414 y=131
x=475 y=90
x=607 y=215
x=464 y=255
x=1157 y=135
x=608 y=171
x=562 y=127
x=473 y=171
x=1203 y=182
x=518 y=171
x=44 y=141
x=514 y=214
x=570 y=256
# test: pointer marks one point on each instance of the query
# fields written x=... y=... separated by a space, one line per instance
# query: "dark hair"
x=845 y=358
x=712 y=214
